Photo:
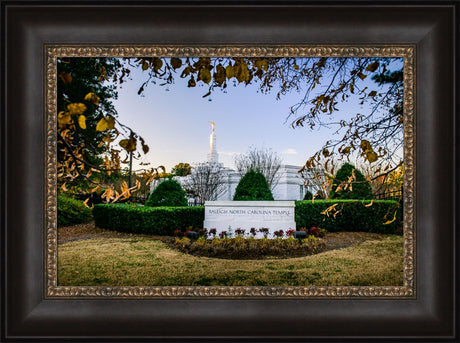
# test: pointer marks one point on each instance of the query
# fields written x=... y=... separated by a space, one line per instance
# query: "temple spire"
x=212 y=155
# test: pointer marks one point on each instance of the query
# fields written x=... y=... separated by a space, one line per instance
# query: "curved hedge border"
x=353 y=216
x=147 y=220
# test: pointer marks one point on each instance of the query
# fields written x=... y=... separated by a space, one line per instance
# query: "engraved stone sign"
x=231 y=215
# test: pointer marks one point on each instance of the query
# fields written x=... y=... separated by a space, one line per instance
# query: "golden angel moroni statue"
x=213 y=124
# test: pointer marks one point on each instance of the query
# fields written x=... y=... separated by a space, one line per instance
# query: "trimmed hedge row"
x=71 y=211
x=147 y=220
x=352 y=215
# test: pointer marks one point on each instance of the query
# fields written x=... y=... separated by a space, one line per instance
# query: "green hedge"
x=147 y=220
x=353 y=215
x=71 y=211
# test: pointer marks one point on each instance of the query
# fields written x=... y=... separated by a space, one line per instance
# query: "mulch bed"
x=334 y=240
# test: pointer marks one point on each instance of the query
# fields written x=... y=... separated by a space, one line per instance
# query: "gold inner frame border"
x=53 y=291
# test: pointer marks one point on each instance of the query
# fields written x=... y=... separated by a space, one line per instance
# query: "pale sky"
x=174 y=121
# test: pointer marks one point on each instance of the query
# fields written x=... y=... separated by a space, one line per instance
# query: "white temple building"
x=290 y=185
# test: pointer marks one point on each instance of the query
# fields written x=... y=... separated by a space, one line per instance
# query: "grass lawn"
x=146 y=261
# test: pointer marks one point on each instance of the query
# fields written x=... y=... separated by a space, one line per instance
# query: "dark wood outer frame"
x=28 y=26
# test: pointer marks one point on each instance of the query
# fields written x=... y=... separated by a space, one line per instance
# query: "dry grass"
x=145 y=261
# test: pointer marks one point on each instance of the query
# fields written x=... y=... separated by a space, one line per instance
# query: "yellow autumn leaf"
x=64 y=118
x=220 y=75
x=64 y=188
x=105 y=124
x=263 y=64
x=370 y=204
x=128 y=144
x=365 y=145
x=157 y=63
x=86 y=202
x=175 y=62
x=362 y=76
x=76 y=108
x=145 y=147
x=102 y=125
x=191 y=82
x=95 y=189
x=65 y=77
x=82 y=121
x=204 y=75
x=229 y=72
x=371 y=156
x=372 y=67
x=390 y=221
x=372 y=93
x=108 y=194
x=91 y=97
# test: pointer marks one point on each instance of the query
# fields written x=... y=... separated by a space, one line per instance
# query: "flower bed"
x=247 y=248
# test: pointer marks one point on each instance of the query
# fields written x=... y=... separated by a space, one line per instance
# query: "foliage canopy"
x=88 y=125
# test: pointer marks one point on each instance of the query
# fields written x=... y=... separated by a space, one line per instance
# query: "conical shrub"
x=253 y=186
x=359 y=188
x=167 y=193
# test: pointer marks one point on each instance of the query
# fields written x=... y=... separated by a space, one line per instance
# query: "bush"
x=360 y=188
x=350 y=215
x=253 y=186
x=147 y=220
x=308 y=195
x=167 y=193
x=314 y=231
x=248 y=248
x=318 y=196
x=71 y=211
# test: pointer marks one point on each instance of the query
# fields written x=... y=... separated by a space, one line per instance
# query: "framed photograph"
x=55 y=285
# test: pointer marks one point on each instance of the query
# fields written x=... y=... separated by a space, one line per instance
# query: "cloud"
x=290 y=151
